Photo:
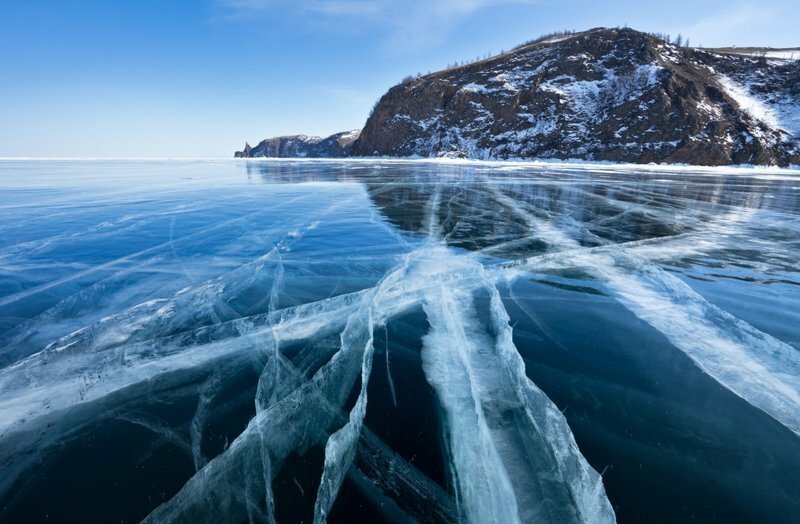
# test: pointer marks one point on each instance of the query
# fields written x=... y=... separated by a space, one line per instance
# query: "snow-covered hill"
x=603 y=94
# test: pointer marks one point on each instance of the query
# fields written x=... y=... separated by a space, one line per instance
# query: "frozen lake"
x=395 y=341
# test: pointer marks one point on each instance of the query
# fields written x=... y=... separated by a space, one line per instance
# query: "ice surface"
x=341 y=446
x=504 y=433
x=271 y=311
x=752 y=364
x=759 y=368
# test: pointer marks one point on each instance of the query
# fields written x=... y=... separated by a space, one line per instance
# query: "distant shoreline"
x=508 y=163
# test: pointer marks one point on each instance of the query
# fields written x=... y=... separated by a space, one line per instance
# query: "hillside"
x=301 y=146
x=603 y=94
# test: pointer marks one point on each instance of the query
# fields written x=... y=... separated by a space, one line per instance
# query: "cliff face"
x=604 y=94
x=244 y=153
x=302 y=146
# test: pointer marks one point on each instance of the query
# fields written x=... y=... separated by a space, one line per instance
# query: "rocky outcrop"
x=244 y=153
x=604 y=94
x=302 y=146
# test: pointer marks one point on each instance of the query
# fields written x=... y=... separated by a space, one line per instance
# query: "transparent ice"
x=194 y=295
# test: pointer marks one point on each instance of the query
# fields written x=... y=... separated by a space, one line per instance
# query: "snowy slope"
x=604 y=94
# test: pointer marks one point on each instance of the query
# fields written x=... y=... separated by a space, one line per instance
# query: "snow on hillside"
x=749 y=103
x=773 y=54
x=774 y=109
x=793 y=54
x=587 y=101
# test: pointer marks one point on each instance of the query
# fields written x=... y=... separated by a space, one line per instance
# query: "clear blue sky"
x=189 y=78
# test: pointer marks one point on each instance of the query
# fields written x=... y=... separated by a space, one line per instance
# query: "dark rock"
x=302 y=146
x=244 y=153
x=604 y=94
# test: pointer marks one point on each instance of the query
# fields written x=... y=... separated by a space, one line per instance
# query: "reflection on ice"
x=244 y=338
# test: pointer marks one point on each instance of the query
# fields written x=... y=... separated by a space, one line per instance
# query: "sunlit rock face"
x=337 y=145
x=604 y=94
x=396 y=341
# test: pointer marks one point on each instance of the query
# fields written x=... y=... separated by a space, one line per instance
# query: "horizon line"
x=792 y=170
